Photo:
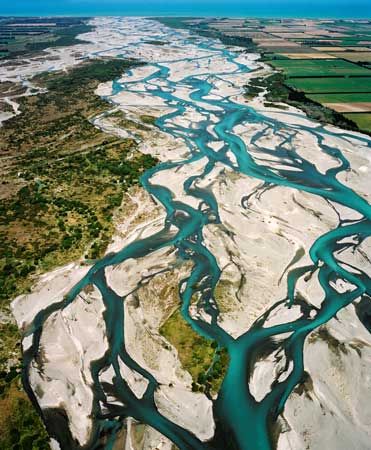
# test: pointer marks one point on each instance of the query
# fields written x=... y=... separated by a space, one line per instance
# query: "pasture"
x=330 y=84
x=319 y=67
x=341 y=97
x=363 y=120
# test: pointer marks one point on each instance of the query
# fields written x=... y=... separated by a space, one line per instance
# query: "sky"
x=246 y=8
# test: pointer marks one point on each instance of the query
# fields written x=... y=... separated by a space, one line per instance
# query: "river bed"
x=261 y=201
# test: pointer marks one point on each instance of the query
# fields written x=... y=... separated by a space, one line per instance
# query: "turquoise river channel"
x=241 y=421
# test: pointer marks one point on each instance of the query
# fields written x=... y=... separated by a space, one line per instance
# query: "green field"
x=333 y=85
x=363 y=120
x=341 y=97
x=20 y=39
x=318 y=67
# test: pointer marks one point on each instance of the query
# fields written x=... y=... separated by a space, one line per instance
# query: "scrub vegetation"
x=62 y=180
x=62 y=177
x=20 y=426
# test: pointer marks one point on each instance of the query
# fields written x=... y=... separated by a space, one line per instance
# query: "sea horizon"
x=190 y=16
x=274 y=9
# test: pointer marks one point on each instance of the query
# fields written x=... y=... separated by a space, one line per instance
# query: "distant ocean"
x=220 y=8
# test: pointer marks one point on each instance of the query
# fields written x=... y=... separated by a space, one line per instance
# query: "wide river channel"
x=241 y=421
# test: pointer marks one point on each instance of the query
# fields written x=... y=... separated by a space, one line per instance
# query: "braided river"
x=207 y=121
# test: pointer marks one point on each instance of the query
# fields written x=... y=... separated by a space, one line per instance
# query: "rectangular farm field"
x=316 y=67
x=341 y=97
x=355 y=56
x=330 y=85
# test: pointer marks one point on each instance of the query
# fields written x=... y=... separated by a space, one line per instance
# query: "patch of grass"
x=341 y=97
x=334 y=345
x=154 y=42
x=124 y=122
x=305 y=386
x=149 y=120
x=225 y=295
x=363 y=120
x=200 y=357
x=274 y=105
x=330 y=85
x=20 y=426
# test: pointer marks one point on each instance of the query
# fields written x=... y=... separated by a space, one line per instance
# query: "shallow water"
x=241 y=421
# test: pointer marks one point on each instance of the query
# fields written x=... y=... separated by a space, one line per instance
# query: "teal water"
x=232 y=8
x=241 y=421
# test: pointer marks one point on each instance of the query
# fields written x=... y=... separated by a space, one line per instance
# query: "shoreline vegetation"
x=62 y=181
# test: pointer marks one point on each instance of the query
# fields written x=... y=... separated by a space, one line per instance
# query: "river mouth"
x=258 y=199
